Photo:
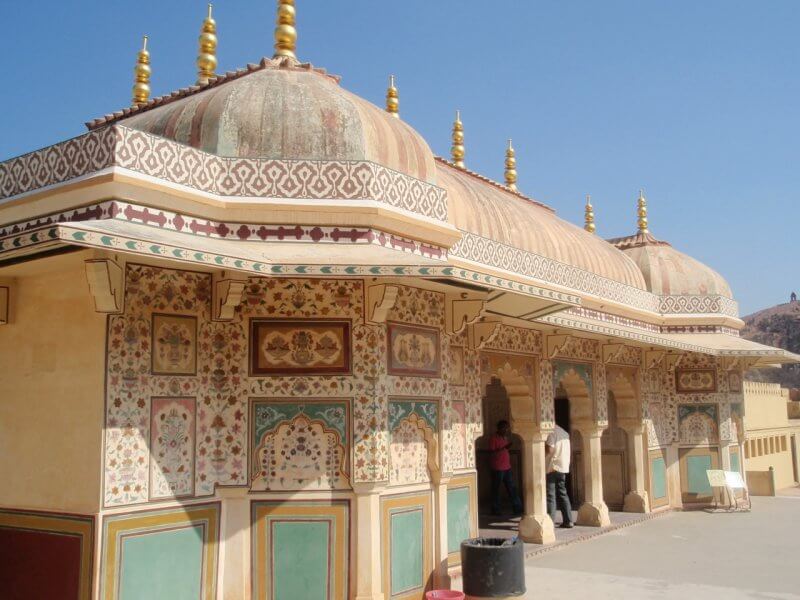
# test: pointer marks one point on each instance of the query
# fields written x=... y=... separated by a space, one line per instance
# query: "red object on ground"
x=444 y=595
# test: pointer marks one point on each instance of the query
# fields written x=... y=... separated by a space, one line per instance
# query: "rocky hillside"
x=777 y=326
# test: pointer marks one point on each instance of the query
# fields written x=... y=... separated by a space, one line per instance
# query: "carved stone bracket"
x=226 y=294
x=481 y=333
x=460 y=312
x=613 y=353
x=380 y=300
x=560 y=345
x=735 y=363
x=106 y=278
x=653 y=359
x=673 y=361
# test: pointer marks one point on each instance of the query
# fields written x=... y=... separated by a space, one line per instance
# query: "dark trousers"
x=504 y=477
x=557 y=494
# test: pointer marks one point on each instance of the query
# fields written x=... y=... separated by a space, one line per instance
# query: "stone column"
x=234 y=581
x=441 y=578
x=369 y=584
x=536 y=526
x=594 y=512
x=636 y=500
x=674 y=476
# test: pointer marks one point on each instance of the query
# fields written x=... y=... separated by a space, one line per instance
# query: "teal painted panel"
x=696 y=467
x=166 y=564
x=457 y=518
x=407 y=547
x=735 y=466
x=300 y=558
x=658 y=469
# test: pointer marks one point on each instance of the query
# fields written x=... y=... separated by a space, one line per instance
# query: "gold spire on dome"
x=511 y=168
x=457 y=151
x=642 y=213
x=589 y=215
x=207 y=58
x=392 y=99
x=285 y=32
x=142 y=71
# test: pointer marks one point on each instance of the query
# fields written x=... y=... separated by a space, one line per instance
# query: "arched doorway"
x=575 y=382
x=614 y=444
x=496 y=407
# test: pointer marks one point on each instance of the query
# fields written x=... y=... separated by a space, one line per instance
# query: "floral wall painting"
x=734 y=381
x=693 y=381
x=299 y=444
x=698 y=424
x=172 y=445
x=414 y=351
x=292 y=346
x=456 y=372
x=174 y=345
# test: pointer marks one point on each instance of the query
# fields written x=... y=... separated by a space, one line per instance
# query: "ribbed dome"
x=487 y=209
x=287 y=112
x=669 y=272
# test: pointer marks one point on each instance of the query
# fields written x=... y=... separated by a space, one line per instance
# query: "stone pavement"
x=681 y=556
x=505 y=527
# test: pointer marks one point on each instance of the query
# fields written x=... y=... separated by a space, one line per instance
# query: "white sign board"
x=716 y=478
x=733 y=479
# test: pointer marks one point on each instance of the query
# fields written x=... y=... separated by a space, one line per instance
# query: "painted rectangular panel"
x=166 y=553
x=301 y=560
x=172 y=446
x=166 y=564
x=658 y=471
x=407 y=558
x=458 y=518
x=174 y=345
x=45 y=555
x=735 y=465
x=414 y=351
x=299 y=346
x=696 y=467
x=300 y=550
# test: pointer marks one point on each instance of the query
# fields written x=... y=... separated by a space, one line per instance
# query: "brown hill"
x=778 y=326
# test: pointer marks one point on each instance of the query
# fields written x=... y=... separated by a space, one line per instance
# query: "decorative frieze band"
x=118 y=146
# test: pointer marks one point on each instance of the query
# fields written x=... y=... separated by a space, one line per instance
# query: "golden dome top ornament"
x=207 y=56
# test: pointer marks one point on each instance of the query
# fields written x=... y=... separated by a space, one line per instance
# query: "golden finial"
x=392 y=99
x=285 y=32
x=642 y=212
x=457 y=151
x=589 y=215
x=207 y=59
x=141 y=89
x=511 y=168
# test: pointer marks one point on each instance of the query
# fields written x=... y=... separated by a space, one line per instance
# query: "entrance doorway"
x=562 y=418
x=496 y=408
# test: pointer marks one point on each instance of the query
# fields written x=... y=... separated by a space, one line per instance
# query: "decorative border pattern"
x=165 y=220
x=81 y=527
x=118 y=146
x=116 y=527
x=485 y=251
x=336 y=513
x=698 y=305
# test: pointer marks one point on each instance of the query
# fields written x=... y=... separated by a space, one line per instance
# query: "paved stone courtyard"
x=683 y=555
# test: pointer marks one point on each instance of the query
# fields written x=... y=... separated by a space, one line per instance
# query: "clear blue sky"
x=698 y=102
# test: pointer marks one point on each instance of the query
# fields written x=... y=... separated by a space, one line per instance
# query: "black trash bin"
x=493 y=567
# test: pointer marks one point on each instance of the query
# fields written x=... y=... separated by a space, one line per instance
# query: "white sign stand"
x=730 y=481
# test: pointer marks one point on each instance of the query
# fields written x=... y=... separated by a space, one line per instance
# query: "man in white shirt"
x=557 y=457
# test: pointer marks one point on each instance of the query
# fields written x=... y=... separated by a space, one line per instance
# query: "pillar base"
x=370 y=597
x=537 y=529
x=636 y=502
x=594 y=515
